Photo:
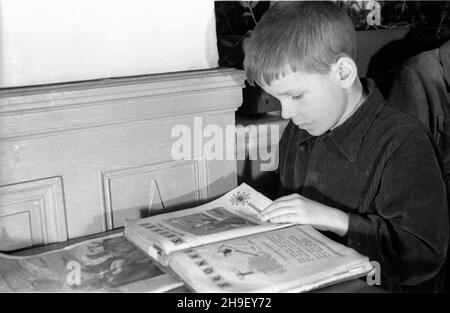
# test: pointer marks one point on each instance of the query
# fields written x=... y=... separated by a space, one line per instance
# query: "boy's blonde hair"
x=298 y=35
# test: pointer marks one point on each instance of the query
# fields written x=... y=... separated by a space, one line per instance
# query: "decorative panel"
x=151 y=189
x=32 y=213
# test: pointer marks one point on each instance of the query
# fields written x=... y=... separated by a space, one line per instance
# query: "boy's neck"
x=356 y=97
x=360 y=93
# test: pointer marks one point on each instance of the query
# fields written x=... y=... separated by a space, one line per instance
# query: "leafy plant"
x=235 y=21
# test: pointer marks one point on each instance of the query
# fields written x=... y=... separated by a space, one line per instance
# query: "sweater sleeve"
x=407 y=228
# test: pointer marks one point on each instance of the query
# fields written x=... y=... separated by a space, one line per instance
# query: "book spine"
x=160 y=256
x=152 y=250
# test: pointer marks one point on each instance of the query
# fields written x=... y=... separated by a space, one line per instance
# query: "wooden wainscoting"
x=98 y=152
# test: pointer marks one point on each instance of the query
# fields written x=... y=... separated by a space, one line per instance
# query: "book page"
x=106 y=264
x=297 y=258
x=232 y=215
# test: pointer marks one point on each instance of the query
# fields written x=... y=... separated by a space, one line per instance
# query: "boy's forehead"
x=288 y=80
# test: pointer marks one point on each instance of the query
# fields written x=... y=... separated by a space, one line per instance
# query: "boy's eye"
x=297 y=97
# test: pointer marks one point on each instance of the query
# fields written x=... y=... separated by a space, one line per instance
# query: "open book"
x=222 y=246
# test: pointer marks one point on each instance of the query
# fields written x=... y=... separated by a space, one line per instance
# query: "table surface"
x=351 y=286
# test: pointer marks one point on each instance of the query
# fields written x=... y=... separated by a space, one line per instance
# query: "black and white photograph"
x=198 y=148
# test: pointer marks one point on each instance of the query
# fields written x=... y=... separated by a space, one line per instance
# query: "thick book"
x=222 y=246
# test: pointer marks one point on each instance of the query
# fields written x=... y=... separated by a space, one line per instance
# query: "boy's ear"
x=346 y=70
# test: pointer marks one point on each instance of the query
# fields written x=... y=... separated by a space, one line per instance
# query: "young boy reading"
x=349 y=164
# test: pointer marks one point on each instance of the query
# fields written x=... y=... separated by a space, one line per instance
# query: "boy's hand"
x=297 y=209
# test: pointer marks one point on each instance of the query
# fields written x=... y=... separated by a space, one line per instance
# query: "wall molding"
x=48 y=110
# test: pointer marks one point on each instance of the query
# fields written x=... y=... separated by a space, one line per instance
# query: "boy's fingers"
x=278 y=204
x=286 y=218
x=279 y=211
x=273 y=206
